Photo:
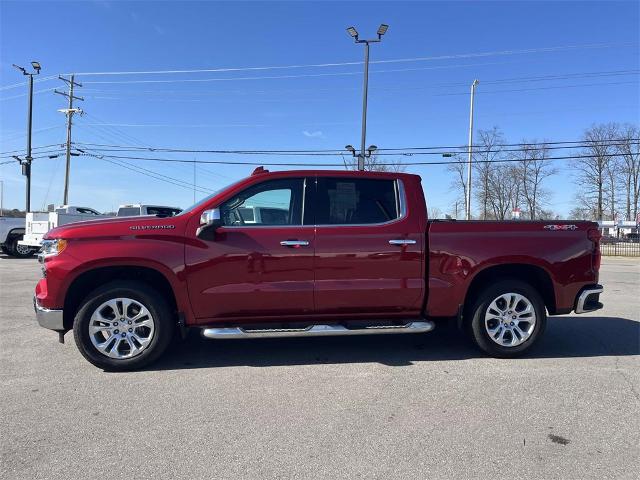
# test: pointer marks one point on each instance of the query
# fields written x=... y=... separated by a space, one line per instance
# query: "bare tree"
x=503 y=190
x=435 y=212
x=489 y=149
x=612 y=174
x=532 y=169
x=594 y=171
x=628 y=147
x=375 y=163
x=458 y=168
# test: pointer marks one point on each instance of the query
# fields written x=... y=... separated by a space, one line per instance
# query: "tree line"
x=508 y=177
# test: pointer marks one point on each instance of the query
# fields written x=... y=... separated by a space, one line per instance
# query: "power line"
x=120 y=134
x=33 y=148
x=226 y=162
x=337 y=64
x=334 y=152
x=540 y=88
x=22 y=84
x=564 y=76
x=151 y=173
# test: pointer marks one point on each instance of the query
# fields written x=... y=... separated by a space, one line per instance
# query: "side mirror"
x=209 y=219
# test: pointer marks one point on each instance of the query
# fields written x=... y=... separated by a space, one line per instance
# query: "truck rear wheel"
x=123 y=326
x=507 y=318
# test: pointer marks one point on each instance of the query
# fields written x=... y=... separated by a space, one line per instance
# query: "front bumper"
x=588 y=300
x=51 y=319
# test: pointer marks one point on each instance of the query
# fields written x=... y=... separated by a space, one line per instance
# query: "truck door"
x=255 y=266
x=368 y=249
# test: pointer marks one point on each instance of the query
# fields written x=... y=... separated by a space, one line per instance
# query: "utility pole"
x=1 y=197
x=26 y=164
x=69 y=112
x=365 y=87
x=470 y=148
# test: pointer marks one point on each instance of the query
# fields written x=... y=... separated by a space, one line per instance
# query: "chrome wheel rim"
x=510 y=319
x=23 y=249
x=121 y=328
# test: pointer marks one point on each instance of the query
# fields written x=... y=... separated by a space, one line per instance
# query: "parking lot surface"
x=388 y=407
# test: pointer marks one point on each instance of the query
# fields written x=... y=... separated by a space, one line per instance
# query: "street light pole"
x=28 y=159
x=26 y=164
x=365 y=91
x=470 y=151
x=365 y=87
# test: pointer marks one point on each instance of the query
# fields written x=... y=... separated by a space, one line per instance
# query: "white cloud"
x=314 y=134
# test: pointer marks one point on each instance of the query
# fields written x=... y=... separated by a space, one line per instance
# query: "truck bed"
x=460 y=251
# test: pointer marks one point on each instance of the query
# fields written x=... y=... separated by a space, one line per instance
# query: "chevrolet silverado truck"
x=349 y=253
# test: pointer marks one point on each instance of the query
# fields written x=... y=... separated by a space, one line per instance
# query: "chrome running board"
x=421 y=326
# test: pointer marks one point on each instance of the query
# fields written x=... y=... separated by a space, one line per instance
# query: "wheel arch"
x=16 y=231
x=91 y=279
x=536 y=276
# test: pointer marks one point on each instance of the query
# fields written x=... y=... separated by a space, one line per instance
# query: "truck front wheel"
x=19 y=251
x=123 y=326
x=507 y=318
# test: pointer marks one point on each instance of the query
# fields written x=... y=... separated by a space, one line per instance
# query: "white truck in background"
x=131 y=210
x=11 y=232
x=39 y=223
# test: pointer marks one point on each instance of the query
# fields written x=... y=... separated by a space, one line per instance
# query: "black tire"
x=164 y=325
x=478 y=309
x=19 y=251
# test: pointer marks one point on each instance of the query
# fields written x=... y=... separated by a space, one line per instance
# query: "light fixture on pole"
x=354 y=34
x=369 y=151
x=26 y=163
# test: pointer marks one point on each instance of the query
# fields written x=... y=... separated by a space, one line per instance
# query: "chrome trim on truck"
x=315 y=331
x=584 y=295
x=51 y=319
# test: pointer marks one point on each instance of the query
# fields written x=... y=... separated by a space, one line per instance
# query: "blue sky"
x=417 y=103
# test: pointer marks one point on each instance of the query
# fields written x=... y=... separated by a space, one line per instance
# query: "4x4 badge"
x=560 y=227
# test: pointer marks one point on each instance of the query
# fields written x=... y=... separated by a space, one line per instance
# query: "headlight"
x=53 y=247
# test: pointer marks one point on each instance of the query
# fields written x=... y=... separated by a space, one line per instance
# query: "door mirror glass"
x=209 y=219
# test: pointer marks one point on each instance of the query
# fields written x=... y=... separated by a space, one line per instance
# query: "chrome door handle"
x=294 y=243
x=402 y=242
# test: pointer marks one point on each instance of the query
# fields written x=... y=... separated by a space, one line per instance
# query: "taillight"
x=594 y=235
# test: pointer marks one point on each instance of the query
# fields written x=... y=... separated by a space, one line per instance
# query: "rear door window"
x=361 y=201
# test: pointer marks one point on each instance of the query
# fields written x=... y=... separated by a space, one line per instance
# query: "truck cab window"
x=87 y=211
x=277 y=202
x=348 y=201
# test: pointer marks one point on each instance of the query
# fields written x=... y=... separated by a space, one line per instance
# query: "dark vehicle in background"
x=608 y=240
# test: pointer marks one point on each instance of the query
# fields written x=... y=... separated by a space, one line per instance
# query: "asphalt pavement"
x=425 y=406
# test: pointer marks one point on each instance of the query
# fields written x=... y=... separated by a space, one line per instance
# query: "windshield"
x=207 y=198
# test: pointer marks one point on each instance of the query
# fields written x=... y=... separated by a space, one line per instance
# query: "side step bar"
x=421 y=326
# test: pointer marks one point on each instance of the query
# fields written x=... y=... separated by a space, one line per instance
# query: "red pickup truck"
x=310 y=253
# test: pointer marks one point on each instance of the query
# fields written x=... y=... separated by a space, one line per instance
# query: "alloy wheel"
x=510 y=319
x=121 y=328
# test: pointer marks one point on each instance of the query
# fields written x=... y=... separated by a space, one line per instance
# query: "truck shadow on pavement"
x=565 y=337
